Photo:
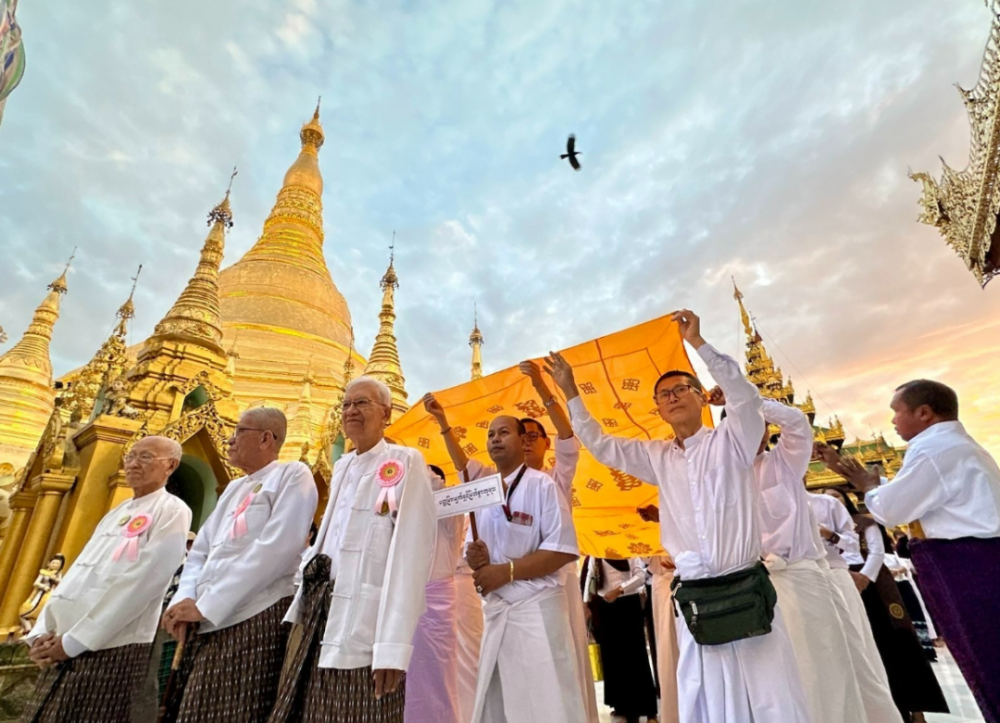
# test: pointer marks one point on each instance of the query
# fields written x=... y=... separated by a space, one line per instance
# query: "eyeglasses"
x=142 y=458
x=678 y=392
x=239 y=430
x=362 y=405
x=534 y=436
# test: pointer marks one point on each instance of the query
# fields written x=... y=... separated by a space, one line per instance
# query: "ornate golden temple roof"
x=476 y=342
x=383 y=363
x=964 y=205
x=26 y=394
x=280 y=307
x=107 y=364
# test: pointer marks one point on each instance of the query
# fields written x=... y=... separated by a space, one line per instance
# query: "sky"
x=766 y=141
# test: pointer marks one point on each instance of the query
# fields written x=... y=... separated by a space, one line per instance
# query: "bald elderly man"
x=94 y=637
x=239 y=580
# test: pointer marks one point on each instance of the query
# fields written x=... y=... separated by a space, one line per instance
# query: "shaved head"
x=505 y=443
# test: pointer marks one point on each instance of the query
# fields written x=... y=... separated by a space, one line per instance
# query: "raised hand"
x=690 y=326
x=531 y=370
x=717 y=397
x=433 y=407
x=561 y=371
x=649 y=513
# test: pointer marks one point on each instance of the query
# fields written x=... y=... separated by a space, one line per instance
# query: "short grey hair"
x=171 y=448
x=270 y=419
x=382 y=393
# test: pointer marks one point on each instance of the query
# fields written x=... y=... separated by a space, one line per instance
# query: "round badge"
x=124 y=520
x=390 y=473
x=258 y=487
x=896 y=610
x=138 y=525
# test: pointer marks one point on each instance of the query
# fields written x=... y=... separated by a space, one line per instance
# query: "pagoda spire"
x=106 y=365
x=349 y=361
x=383 y=363
x=476 y=342
x=760 y=367
x=26 y=394
x=32 y=351
x=195 y=315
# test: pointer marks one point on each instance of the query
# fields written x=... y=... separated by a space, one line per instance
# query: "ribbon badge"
x=130 y=544
x=389 y=475
x=239 y=527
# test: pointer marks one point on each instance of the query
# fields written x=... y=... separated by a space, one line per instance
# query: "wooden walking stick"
x=175 y=665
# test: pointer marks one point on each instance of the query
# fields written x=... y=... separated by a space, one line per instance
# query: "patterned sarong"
x=95 y=687
x=310 y=694
x=232 y=674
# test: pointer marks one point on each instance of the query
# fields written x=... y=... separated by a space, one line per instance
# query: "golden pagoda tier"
x=770 y=381
x=384 y=364
x=281 y=311
x=27 y=397
x=476 y=342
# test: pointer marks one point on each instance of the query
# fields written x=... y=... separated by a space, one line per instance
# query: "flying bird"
x=571 y=152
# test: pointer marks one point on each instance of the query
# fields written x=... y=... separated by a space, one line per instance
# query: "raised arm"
x=455 y=451
x=557 y=414
x=628 y=455
x=744 y=406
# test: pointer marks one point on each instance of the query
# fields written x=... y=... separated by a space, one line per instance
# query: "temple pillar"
x=22 y=504
x=101 y=444
x=40 y=530
x=119 y=490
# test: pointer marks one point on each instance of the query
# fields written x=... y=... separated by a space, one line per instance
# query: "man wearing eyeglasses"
x=239 y=580
x=736 y=662
x=94 y=637
x=364 y=578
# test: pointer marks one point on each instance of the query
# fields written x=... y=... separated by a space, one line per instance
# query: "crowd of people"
x=772 y=604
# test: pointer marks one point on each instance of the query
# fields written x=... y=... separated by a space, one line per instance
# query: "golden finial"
x=736 y=290
x=311 y=134
x=222 y=213
x=349 y=361
x=127 y=310
x=390 y=278
x=3 y=336
x=476 y=342
x=59 y=285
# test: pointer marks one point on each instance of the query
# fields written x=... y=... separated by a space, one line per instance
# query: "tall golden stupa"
x=272 y=329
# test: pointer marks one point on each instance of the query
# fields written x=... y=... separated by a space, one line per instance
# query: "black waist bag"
x=723 y=609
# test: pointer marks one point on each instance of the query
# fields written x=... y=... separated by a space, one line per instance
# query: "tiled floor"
x=963 y=707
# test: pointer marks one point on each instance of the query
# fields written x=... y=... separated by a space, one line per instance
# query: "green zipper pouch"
x=723 y=609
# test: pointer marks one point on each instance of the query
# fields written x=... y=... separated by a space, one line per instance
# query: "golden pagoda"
x=769 y=380
x=965 y=205
x=383 y=364
x=27 y=396
x=476 y=342
x=280 y=295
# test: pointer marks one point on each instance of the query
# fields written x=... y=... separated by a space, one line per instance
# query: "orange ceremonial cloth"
x=616 y=375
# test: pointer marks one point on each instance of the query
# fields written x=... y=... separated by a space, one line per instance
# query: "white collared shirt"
x=831 y=514
x=948 y=482
x=708 y=498
x=105 y=603
x=383 y=561
x=542 y=521
x=631 y=583
x=787 y=526
x=233 y=577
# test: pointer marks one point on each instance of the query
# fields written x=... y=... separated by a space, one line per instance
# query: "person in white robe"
x=104 y=615
x=432 y=681
x=791 y=547
x=239 y=579
x=365 y=578
x=708 y=524
x=564 y=460
x=469 y=619
x=839 y=537
x=528 y=664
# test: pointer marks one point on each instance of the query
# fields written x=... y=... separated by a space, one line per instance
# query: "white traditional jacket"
x=384 y=560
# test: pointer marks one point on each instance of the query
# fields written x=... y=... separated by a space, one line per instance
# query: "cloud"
x=766 y=142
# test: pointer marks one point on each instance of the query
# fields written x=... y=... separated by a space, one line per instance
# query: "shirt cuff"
x=567 y=446
x=576 y=407
x=708 y=353
x=391 y=656
x=72 y=646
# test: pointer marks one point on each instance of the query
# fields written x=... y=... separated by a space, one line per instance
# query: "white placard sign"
x=469 y=496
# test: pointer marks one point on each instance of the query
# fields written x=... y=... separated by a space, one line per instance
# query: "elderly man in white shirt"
x=239 y=580
x=94 y=636
x=744 y=669
x=363 y=588
x=566 y=456
x=528 y=666
x=951 y=486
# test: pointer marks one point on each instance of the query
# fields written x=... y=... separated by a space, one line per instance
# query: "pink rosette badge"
x=129 y=546
x=239 y=527
x=390 y=474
